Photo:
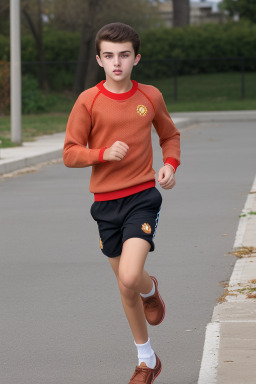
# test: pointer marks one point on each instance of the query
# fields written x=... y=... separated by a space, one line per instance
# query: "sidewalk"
x=230 y=345
x=237 y=316
x=45 y=148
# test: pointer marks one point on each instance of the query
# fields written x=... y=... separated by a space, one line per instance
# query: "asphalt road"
x=61 y=316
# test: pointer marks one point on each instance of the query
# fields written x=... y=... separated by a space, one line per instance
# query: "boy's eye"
x=124 y=55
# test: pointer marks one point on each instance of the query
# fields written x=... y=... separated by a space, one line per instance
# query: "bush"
x=4 y=86
x=164 y=51
x=186 y=45
x=33 y=100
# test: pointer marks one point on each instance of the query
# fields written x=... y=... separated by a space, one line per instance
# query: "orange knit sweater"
x=99 y=118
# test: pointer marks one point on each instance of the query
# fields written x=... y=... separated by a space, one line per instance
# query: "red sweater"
x=99 y=118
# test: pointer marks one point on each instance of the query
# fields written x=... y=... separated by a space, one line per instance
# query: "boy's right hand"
x=116 y=152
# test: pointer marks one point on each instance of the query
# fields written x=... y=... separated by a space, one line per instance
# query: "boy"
x=114 y=118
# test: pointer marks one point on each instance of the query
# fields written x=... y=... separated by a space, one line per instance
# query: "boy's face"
x=117 y=59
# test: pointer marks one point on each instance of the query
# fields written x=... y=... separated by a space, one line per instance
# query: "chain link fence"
x=233 y=78
x=180 y=80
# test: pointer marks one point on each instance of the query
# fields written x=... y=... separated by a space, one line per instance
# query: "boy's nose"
x=117 y=62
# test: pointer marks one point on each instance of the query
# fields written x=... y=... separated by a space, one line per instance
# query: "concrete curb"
x=14 y=165
x=43 y=149
x=234 y=339
x=199 y=117
x=49 y=147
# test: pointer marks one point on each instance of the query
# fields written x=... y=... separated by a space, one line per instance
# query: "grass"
x=204 y=92
x=33 y=126
x=209 y=92
x=55 y=120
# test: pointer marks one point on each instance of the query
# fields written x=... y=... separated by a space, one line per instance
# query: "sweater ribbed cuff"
x=101 y=153
x=172 y=162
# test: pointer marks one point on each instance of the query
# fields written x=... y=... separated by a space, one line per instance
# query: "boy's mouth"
x=117 y=71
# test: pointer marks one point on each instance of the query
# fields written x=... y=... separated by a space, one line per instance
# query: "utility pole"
x=16 y=132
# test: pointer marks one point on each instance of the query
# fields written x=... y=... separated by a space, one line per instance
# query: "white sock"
x=146 y=354
x=151 y=293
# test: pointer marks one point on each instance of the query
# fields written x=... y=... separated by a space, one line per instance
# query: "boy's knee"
x=127 y=293
x=130 y=280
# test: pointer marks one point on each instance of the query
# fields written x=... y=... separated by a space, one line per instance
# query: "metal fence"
x=238 y=72
x=178 y=79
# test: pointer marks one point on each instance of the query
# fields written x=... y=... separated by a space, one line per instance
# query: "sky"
x=212 y=1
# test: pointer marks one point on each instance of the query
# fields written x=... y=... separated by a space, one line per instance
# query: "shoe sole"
x=158 y=373
x=156 y=284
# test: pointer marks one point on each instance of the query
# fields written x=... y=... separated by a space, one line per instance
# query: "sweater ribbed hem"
x=124 y=192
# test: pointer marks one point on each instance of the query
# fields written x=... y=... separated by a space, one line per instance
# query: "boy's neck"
x=118 y=86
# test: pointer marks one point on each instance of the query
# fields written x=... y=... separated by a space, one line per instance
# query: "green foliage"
x=246 y=9
x=181 y=46
x=70 y=15
x=4 y=48
x=64 y=47
x=194 y=42
x=28 y=49
x=4 y=86
x=33 y=100
x=4 y=18
x=60 y=47
x=208 y=40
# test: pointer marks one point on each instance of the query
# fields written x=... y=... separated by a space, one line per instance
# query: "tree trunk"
x=181 y=13
x=43 y=71
x=38 y=36
x=84 y=50
x=93 y=69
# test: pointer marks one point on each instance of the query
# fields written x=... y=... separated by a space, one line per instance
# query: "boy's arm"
x=169 y=136
x=75 y=151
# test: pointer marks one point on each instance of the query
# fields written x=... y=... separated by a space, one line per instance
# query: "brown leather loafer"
x=154 y=307
x=145 y=375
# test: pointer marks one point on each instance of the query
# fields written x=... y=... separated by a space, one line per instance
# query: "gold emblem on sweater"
x=142 y=110
x=146 y=228
x=101 y=244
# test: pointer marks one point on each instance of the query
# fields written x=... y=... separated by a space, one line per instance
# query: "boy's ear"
x=137 y=59
x=99 y=61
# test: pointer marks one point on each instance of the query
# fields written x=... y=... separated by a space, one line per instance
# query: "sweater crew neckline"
x=118 y=96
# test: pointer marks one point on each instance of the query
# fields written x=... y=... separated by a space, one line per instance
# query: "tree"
x=4 y=18
x=181 y=13
x=32 y=11
x=66 y=15
x=32 y=20
x=246 y=9
x=87 y=16
x=85 y=45
x=101 y=12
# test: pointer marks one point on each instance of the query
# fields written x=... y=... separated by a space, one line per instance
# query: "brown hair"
x=118 y=33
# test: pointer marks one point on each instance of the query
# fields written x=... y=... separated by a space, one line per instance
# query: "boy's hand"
x=166 y=177
x=116 y=152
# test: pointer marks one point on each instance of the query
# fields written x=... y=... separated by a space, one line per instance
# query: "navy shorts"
x=131 y=216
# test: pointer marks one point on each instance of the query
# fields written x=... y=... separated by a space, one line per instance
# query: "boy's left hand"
x=166 y=177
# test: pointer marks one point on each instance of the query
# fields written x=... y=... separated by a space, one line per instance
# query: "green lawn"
x=209 y=92
x=205 y=92
x=32 y=126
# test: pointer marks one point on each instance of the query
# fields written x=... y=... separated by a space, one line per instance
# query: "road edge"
x=209 y=364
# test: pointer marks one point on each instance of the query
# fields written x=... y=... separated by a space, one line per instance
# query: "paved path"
x=230 y=345
x=60 y=325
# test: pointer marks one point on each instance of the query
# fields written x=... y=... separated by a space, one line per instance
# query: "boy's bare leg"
x=133 y=280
